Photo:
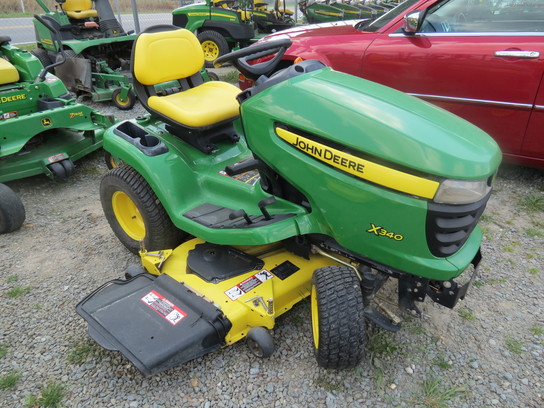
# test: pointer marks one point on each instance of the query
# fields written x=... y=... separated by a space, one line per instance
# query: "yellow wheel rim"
x=211 y=50
x=315 y=317
x=128 y=216
x=119 y=102
x=113 y=162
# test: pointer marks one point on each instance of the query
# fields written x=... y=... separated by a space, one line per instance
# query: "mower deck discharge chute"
x=312 y=182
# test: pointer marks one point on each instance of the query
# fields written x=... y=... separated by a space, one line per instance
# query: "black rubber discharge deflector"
x=215 y=263
x=155 y=322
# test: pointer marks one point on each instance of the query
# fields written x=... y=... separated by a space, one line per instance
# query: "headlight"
x=462 y=191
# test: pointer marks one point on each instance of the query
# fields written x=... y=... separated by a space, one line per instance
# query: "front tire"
x=338 y=322
x=214 y=45
x=127 y=104
x=135 y=213
x=12 y=210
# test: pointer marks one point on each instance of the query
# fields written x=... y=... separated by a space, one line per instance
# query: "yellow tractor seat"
x=192 y=107
x=8 y=73
x=199 y=112
x=79 y=9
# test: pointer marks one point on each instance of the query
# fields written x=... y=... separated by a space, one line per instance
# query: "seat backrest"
x=8 y=73
x=166 y=56
x=77 y=5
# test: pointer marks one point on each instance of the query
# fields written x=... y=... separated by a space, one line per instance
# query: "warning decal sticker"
x=164 y=307
x=250 y=283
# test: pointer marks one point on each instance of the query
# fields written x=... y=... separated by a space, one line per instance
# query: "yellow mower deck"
x=195 y=299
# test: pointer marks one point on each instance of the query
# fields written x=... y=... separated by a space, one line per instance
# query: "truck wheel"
x=338 y=323
x=127 y=104
x=260 y=342
x=214 y=45
x=135 y=213
x=12 y=210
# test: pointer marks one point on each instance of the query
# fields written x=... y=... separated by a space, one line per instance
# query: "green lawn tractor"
x=97 y=49
x=311 y=183
x=268 y=20
x=42 y=128
x=320 y=12
x=219 y=27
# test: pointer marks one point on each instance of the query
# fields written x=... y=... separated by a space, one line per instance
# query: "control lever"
x=240 y=213
x=264 y=203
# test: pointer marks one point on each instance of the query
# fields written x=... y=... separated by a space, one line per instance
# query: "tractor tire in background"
x=214 y=45
x=135 y=213
x=42 y=56
x=12 y=210
x=338 y=322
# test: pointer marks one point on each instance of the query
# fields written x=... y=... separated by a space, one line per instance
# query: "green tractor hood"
x=377 y=123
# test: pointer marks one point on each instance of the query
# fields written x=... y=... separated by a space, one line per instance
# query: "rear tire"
x=135 y=213
x=12 y=210
x=214 y=45
x=42 y=55
x=338 y=322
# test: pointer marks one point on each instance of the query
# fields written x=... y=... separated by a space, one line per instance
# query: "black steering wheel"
x=240 y=59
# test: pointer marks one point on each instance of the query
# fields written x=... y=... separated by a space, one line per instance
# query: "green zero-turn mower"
x=320 y=12
x=218 y=26
x=98 y=50
x=311 y=183
x=42 y=128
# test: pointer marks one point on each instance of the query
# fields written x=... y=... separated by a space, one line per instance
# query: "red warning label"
x=250 y=283
x=164 y=307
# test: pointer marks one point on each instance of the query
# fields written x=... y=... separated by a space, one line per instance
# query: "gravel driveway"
x=488 y=352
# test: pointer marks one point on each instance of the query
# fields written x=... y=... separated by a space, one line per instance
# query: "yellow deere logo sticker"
x=46 y=122
x=364 y=169
x=12 y=98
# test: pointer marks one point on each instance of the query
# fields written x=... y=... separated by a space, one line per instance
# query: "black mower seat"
x=79 y=9
x=8 y=73
x=176 y=55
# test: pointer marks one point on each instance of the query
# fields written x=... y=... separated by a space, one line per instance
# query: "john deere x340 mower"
x=311 y=183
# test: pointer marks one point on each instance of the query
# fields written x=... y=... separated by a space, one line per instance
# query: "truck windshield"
x=386 y=18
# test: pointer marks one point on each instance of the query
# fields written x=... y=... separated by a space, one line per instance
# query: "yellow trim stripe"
x=364 y=169
x=327 y=13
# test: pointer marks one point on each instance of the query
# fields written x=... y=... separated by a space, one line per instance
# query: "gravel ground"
x=488 y=352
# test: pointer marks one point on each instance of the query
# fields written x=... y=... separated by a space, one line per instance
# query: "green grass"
x=12 y=278
x=467 y=314
x=327 y=382
x=83 y=351
x=533 y=271
x=9 y=381
x=231 y=77
x=443 y=363
x=534 y=233
x=51 y=396
x=532 y=203
x=3 y=350
x=434 y=395
x=513 y=345
x=537 y=330
x=18 y=291
x=380 y=342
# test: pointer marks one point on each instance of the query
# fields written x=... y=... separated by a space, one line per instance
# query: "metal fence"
x=132 y=14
